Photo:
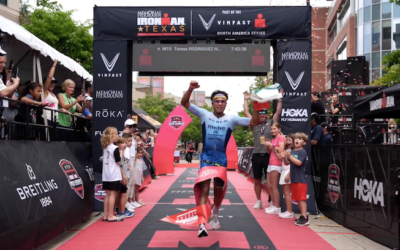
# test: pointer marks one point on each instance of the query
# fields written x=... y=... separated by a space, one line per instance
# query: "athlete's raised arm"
x=186 y=97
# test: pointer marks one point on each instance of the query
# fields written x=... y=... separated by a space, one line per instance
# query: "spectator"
x=87 y=106
x=189 y=152
x=392 y=132
x=317 y=106
x=67 y=102
x=49 y=84
x=260 y=157
x=88 y=89
x=7 y=90
x=316 y=130
x=285 y=178
x=140 y=166
x=326 y=137
x=335 y=109
x=111 y=176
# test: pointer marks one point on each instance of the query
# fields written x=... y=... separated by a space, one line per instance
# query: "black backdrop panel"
x=356 y=185
x=112 y=91
x=46 y=188
x=201 y=57
x=166 y=23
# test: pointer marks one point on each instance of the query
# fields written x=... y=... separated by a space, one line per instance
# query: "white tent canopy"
x=19 y=45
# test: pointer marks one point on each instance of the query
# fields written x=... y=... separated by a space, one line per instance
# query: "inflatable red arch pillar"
x=171 y=130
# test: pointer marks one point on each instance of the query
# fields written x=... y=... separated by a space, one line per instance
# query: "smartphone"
x=14 y=73
x=11 y=63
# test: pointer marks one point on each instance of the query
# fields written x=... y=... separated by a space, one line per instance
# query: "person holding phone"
x=8 y=89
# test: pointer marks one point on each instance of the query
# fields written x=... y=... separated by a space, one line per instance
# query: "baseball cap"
x=325 y=125
x=53 y=80
x=316 y=94
x=88 y=98
x=129 y=122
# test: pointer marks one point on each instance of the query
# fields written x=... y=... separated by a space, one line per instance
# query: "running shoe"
x=126 y=214
x=275 y=210
x=130 y=208
x=135 y=204
x=202 y=231
x=258 y=205
x=302 y=221
x=214 y=222
x=286 y=215
x=141 y=203
x=269 y=208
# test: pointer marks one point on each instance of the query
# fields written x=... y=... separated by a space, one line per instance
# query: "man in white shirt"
x=8 y=89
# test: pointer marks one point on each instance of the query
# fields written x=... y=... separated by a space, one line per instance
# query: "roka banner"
x=112 y=90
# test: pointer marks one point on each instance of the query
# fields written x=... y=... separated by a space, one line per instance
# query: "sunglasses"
x=132 y=126
x=263 y=112
x=220 y=101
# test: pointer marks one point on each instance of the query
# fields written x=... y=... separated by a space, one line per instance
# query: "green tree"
x=390 y=70
x=395 y=1
x=244 y=135
x=156 y=106
x=55 y=26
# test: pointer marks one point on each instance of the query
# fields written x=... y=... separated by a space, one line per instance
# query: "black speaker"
x=357 y=71
x=338 y=73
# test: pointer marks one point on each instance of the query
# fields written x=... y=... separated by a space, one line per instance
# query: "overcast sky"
x=235 y=86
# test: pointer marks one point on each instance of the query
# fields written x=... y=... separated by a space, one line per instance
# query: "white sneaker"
x=269 y=208
x=135 y=204
x=202 y=231
x=141 y=203
x=214 y=222
x=258 y=204
x=286 y=215
x=130 y=208
x=275 y=210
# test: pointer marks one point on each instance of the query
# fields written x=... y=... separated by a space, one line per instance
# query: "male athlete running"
x=217 y=129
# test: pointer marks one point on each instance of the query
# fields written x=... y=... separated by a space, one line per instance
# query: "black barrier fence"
x=245 y=166
x=356 y=187
x=46 y=188
x=22 y=121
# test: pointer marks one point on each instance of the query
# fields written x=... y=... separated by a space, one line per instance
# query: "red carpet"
x=282 y=232
x=105 y=235
x=250 y=229
x=187 y=165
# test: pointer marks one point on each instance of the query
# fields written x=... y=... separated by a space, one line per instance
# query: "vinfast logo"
x=109 y=66
x=369 y=191
x=105 y=113
x=295 y=56
x=294 y=83
x=294 y=115
x=206 y=25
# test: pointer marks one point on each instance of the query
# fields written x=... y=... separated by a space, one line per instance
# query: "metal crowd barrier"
x=35 y=129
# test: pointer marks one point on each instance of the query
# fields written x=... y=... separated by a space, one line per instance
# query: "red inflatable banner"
x=201 y=213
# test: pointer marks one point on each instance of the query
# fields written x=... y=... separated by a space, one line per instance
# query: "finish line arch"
x=163 y=156
x=130 y=39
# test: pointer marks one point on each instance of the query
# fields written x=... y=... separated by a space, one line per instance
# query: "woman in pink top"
x=274 y=147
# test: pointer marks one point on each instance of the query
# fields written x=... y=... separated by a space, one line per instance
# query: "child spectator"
x=130 y=155
x=298 y=176
x=112 y=176
x=122 y=196
x=275 y=147
x=140 y=165
x=285 y=178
